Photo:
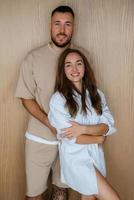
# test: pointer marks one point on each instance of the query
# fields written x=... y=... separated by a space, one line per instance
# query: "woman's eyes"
x=79 y=63
x=68 y=65
x=71 y=65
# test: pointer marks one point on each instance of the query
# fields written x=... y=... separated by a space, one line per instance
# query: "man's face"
x=62 y=28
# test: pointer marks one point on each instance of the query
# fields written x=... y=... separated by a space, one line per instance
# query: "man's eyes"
x=57 y=23
x=68 y=24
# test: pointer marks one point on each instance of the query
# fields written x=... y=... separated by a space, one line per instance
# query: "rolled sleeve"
x=26 y=84
x=58 y=115
x=106 y=116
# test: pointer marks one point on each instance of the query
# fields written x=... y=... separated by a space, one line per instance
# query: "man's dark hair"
x=63 y=9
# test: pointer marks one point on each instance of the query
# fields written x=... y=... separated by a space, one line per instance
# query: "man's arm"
x=34 y=109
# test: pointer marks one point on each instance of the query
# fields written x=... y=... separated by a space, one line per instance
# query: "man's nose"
x=62 y=29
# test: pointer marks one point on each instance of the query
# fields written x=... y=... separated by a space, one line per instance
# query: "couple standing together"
x=68 y=114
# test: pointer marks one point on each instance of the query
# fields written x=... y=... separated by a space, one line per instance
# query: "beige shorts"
x=40 y=159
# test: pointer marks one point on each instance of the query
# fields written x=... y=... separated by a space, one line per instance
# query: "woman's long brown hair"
x=66 y=87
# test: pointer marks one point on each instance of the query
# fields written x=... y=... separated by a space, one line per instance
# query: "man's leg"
x=60 y=191
x=48 y=193
x=39 y=159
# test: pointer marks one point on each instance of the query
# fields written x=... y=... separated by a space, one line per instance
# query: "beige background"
x=106 y=29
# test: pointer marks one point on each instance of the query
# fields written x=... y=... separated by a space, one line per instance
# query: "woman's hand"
x=73 y=131
x=101 y=139
x=77 y=129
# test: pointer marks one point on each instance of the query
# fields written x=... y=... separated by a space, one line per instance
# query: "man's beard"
x=61 y=45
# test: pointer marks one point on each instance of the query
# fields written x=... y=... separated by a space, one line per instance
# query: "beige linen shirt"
x=36 y=81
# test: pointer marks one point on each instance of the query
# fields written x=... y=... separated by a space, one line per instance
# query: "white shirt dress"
x=78 y=161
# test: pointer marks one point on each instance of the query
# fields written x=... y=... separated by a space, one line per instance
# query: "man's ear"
x=74 y=28
x=49 y=25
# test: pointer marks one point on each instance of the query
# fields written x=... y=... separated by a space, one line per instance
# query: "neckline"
x=57 y=50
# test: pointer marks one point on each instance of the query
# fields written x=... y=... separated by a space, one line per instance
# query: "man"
x=35 y=87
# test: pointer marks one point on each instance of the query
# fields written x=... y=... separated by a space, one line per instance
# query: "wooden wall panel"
x=105 y=28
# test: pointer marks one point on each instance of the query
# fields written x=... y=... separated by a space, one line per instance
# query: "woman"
x=79 y=113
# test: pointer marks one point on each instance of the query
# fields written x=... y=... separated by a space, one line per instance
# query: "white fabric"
x=39 y=139
x=78 y=161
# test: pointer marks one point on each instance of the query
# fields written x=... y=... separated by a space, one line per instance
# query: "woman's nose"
x=74 y=68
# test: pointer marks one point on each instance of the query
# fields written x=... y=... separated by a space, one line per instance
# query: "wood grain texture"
x=106 y=29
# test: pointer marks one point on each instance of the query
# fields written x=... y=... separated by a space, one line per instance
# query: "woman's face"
x=74 y=68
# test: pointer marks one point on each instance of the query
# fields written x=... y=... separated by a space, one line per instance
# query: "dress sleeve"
x=26 y=84
x=58 y=114
x=106 y=116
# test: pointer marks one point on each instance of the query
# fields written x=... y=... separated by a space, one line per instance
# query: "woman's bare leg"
x=106 y=192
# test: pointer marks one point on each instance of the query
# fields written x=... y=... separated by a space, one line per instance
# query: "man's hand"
x=73 y=131
x=52 y=129
x=34 y=109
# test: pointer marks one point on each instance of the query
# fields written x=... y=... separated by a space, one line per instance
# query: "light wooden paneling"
x=105 y=28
